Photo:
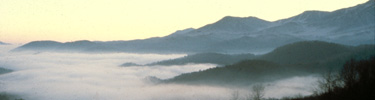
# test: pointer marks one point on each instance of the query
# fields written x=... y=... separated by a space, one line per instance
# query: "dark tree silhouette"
x=355 y=82
x=257 y=92
x=329 y=82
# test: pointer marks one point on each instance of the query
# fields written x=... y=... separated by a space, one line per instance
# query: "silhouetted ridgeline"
x=214 y=58
x=302 y=58
x=200 y=58
x=348 y=26
x=77 y=46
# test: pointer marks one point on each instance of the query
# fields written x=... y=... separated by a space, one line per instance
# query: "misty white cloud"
x=291 y=87
x=77 y=76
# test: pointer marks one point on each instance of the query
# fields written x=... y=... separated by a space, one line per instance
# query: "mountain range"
x=348 y=26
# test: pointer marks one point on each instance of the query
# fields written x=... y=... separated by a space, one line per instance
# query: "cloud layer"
x=76 y=76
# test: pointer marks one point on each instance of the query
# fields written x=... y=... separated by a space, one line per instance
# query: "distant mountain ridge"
x=3 y=43
x=348 y=26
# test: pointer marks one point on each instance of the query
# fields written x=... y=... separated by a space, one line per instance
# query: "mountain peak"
x=44 y=41
x=237 y=24
x=247 y=19
x=81 y=41
x=232 y=18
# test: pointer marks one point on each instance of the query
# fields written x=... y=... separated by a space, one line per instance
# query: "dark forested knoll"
x=318 y=54
x=308 y=51
x=302 y=58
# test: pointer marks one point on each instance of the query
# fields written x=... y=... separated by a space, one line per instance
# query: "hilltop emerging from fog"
x=296 y=59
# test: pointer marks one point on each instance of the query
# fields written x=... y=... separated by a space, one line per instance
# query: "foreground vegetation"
x=5 y=96
x=355 y=82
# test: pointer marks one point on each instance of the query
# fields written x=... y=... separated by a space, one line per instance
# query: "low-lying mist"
x=78 y=76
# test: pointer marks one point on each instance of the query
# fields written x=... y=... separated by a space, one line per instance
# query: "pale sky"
x=22 y=21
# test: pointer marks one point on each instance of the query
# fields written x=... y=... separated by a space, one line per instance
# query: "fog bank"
x=68 y=76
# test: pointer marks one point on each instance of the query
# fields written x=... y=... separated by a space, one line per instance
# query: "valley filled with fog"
x=85 y=76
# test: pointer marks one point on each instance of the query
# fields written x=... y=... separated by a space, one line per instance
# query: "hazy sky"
x=23 y=21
